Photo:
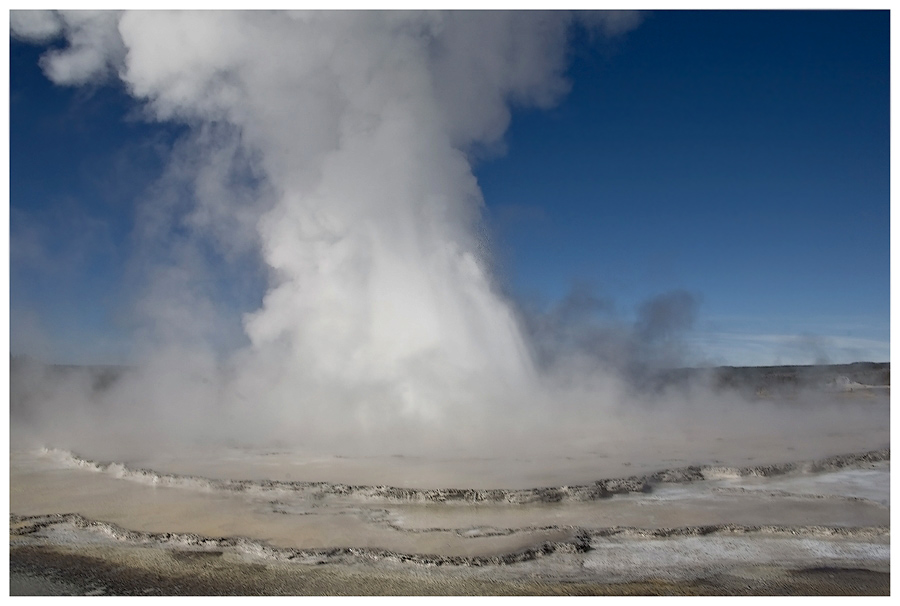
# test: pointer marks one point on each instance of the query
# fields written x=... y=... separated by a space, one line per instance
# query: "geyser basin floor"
x=316 y=518
x=816 y=527
x=785 y=508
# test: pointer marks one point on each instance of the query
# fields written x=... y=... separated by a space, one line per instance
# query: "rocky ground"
x=130 y=571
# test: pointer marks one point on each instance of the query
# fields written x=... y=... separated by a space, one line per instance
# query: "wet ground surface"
x=808 y=528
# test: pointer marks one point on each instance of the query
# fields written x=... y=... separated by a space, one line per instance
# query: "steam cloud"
x=333 y=150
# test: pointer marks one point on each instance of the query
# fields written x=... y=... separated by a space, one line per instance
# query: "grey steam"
x=333 y=150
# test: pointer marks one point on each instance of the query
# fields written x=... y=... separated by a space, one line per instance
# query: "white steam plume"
x=335 y=146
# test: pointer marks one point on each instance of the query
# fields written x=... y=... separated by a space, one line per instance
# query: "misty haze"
x=272 y=316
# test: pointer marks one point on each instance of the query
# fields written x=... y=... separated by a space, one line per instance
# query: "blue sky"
x=741 y=157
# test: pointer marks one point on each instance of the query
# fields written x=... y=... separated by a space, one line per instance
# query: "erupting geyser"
x=333 y=149
x=329 y=154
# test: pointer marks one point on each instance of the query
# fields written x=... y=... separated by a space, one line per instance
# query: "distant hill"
x=780 y=379
x=757 y=379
